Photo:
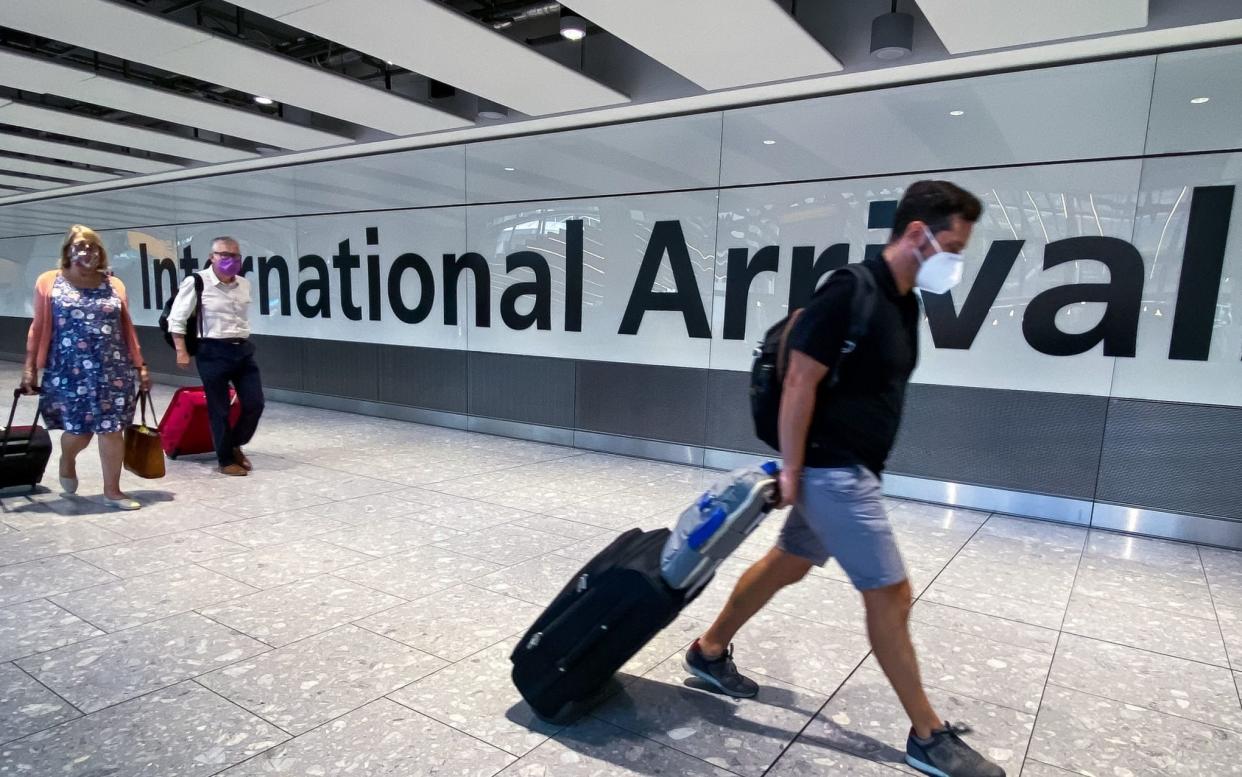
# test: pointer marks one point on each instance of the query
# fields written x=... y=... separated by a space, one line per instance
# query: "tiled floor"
x=350 y=608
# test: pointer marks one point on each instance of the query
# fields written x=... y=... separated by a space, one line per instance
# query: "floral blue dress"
x=89 y=385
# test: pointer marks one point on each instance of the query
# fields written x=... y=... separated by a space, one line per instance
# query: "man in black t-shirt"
x=835 y=439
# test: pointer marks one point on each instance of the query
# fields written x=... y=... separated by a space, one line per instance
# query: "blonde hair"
x=78 y=232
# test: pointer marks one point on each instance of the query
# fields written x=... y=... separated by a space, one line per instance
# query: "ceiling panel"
x=123 y=31
x=15 y=165
x=1000 y=23
x=44 y=77
x=103 y=131
x=716 y=45
x=28 y=183
x=429 y=38
x=19 y=144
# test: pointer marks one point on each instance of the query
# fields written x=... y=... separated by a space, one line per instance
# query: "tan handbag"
x=144 y=455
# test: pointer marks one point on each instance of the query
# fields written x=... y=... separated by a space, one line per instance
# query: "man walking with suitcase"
x=225 y=354
x=835 y=437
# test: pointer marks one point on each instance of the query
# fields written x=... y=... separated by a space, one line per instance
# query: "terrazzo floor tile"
x=1091 y=735
x=53 y=541
x=980 y=668
x=1142 y=550
x=1028 y=530
x=1158 y=593
x=286 y=614
x=417 y=573
x=1174 y=686
x=1000 y=630
x=559 y=526
x=383 y=739
x=802 y=653
x=361 y=510
x=1037 y=769
x=183 y=731
x=142 y=557
x=142 y=599
x=537 y=581
x=27 y=707
x=476 y=696
x=1230 y=620
x=1156 y=630
x=280 y=564
x=505 y=545
x=103 y=671
x=583 y=551
x=302 y=685
x=275 y=529
x=810 y=758
x=386 y=536
x=456 y=622
x=825 y=601
x=999 y=605
x=36 y=626
x=744 y=736
x=48 y=576
x=593 y=748
x=165 y=519
x=866 y=719
x=471 y=516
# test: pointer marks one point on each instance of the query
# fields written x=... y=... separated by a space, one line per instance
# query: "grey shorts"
x=840 y=514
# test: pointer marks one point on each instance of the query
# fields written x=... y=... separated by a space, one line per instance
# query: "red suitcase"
x=185 y=429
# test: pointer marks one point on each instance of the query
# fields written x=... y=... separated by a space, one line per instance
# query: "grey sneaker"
x=721 y=673
x=944 y=754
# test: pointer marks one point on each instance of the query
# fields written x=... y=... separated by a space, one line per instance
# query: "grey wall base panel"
x=1173 y=526
x=715 y=458
x=996 y=500
x=534 y=432
x=417 y=415
x=641 y=448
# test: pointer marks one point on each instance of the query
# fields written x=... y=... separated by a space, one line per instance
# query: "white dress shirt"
x=226 y=307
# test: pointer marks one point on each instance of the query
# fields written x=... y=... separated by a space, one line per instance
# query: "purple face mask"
x=228 y=265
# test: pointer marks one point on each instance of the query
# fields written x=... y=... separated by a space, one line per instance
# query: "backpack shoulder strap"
x=862 y=305
x=198 y=300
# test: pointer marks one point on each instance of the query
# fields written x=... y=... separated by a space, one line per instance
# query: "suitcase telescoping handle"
x=17 y=397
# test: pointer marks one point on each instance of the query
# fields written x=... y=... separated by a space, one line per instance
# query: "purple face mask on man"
x=228 y=264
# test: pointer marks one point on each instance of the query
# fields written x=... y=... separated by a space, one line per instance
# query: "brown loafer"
x=234 y=470
x=241 y=459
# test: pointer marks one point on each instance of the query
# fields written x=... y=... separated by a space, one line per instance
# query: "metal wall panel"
x=531 y=389
x=640 y=400
x=341 y=368
x=432 y=378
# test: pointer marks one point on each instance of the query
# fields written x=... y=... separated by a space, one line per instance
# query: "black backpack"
x=767 y=373
x=193 y=324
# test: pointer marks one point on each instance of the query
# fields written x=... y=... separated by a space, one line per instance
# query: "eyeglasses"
x=226 y=255
x=84 y=247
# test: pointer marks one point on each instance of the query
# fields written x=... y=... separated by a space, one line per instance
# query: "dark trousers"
x=221 y=362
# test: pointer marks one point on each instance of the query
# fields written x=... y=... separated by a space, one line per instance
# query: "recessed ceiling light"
x=573 y=27
x=957 y=113
x=263 y=100
x=510 y=169
x=1199 y=100
x=769 y=142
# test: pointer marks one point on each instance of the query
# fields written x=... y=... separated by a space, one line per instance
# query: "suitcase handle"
x=17 y=397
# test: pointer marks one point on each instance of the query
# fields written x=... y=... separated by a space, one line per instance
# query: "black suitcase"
x=611 y=608
x=24 y=450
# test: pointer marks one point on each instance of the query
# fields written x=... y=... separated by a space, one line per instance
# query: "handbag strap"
x=143 y=398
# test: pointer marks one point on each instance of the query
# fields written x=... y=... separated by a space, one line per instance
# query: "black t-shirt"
x=855 y=421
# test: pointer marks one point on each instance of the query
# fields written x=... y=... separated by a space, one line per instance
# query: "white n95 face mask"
x=941 y=271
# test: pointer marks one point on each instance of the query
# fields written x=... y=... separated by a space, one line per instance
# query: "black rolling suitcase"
x=607 y=613
x=24 y=450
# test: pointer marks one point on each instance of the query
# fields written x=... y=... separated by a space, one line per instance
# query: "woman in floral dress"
x=83 y=339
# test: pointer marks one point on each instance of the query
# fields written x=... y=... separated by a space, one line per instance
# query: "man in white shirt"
x=225 y=354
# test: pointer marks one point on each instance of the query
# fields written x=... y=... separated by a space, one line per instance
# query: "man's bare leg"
x=888 y=626
x=754 y=589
